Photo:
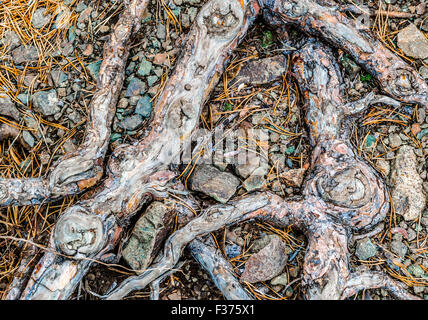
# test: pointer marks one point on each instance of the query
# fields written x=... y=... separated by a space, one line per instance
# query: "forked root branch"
x=341 y=194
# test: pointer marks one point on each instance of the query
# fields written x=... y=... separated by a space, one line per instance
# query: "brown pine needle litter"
x=276 y=103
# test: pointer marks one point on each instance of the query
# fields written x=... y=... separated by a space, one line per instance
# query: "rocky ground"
x=48 y=69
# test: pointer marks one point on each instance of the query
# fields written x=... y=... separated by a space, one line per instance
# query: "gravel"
x=214 y=183
x=413 y=42
x=46 y=102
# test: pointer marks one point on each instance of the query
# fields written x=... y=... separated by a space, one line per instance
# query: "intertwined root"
x=342 y=194
x=220 y=270
x=84 y=167
x=137 y=172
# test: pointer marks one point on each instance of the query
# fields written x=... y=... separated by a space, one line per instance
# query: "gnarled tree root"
x=84 y=167
x=324 y=19
x=342 y=193
x=136 y=172
x=214 y=218
x=220 y=270
x=320 y=282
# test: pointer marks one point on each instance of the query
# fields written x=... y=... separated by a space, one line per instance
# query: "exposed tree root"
x=323 y=18
x=155 y=285
x=220 y=270
x=358 y=281
x=84 y=167
x=136 y=172
x=22 y=274
x=268 y=205
x=342 y=194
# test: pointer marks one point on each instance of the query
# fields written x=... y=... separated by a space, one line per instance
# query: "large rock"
x=46 y=102
x=149 y=232
x=213 y=182
x=262 y=71
x=408 y=196
x=267 y=263
x=413 y=42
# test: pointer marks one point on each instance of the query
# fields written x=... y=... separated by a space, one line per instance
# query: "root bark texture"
x=341 y=195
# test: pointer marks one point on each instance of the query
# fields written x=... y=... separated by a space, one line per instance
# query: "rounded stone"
x=365 y=249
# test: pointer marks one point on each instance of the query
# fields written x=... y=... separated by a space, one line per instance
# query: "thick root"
x=325 y=19
x=138 y=172
x=267 y=206
x=220 y=270
x=359 y=281
x=84 y=167
x=341 y=194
